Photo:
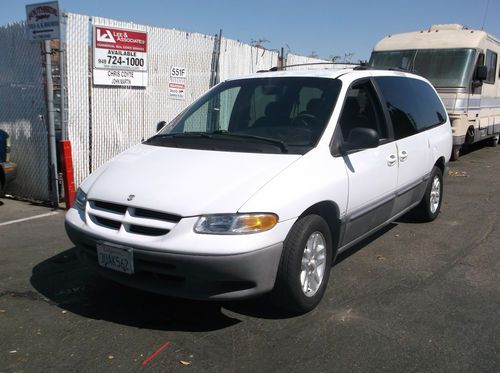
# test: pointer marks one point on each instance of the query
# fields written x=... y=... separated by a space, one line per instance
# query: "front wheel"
x=305 y=265
x=429 y=207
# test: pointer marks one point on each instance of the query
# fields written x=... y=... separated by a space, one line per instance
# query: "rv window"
x=491 y=64
x=448 y=68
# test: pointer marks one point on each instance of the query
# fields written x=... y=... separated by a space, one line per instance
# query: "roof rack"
x=278 y=68
x=366 y=67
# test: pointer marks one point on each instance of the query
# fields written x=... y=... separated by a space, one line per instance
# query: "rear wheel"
x=429 y=207
x=305 y=265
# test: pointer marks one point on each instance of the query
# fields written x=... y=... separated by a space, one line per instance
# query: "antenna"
x=485 y=14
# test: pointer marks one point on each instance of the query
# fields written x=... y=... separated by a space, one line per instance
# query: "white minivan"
x=260 y=183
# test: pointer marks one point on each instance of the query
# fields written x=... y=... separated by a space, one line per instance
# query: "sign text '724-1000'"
x=120 y=57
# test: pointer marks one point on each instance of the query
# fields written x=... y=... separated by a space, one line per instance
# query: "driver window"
x=362 y=109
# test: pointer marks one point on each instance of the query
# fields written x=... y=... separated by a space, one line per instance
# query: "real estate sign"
x=120 y=57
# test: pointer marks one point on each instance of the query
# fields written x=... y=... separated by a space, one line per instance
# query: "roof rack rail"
x=366 y=67
x=278 y=68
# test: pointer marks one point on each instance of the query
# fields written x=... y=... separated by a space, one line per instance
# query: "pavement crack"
x=29 y=295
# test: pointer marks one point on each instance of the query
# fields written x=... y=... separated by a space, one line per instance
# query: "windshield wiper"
x=279 y=143
x=204 y=135
x=209 y=135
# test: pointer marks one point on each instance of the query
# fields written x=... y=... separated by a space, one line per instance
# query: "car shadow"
x=260 y=307
x=357 y=247
x=472 y=148
x=70 y=285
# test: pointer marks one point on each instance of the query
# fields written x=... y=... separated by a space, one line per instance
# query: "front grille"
x=113 y=224
x=143 y=213
x=148 y=231
x=110 y=206
x=134 y=220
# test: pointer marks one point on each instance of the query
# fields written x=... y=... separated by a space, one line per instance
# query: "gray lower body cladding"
x=207 y=277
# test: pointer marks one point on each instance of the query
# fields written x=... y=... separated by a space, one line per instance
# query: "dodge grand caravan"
x=261 y=182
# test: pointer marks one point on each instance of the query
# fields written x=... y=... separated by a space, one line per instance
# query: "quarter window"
x=412 y=104
x=491 y=64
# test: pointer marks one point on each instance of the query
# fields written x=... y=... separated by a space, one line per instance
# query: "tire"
x=429 y=207
x=455 y=153
x=301 y=265
x=493 y=141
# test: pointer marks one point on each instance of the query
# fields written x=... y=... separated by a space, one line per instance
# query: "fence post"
x=214 y=76
x=52 y=131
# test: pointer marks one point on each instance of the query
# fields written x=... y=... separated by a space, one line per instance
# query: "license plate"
x=118 y=258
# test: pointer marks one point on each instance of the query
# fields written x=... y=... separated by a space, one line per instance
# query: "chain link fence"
x=23 y=111
x=103 y=121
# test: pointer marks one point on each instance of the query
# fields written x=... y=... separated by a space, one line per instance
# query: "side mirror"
x=160 y=125
x=361 y=138
x=481 y=73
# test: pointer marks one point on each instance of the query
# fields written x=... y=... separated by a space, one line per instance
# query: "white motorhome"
x=462 y=64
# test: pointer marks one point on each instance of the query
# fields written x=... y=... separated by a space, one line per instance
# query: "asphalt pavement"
x=413 y=298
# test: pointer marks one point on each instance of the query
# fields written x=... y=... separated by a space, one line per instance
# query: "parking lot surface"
x=415 y=297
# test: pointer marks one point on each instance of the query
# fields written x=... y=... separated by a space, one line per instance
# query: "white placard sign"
x=177 y=91
x=120 y=57
x=42 y=20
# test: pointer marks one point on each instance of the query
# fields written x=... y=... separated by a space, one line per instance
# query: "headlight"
x=235 y=223
x=80 y=199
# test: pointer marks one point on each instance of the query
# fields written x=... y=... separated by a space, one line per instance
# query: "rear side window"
x=412 y=104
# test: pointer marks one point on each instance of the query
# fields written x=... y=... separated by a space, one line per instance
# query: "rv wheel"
x=494 y=141
x=455 y=153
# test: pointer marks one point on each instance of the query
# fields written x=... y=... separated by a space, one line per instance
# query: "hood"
x=184 y=182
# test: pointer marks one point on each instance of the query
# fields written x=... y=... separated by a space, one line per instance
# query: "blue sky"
x=327 y=28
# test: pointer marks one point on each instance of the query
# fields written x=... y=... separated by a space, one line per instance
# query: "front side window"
x=444 y=68
x=491 y=64
x=362 y=110
x=412 y=104
x=282 y=114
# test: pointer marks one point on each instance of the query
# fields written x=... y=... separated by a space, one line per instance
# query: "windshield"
x=270 y=115
x=443 y=67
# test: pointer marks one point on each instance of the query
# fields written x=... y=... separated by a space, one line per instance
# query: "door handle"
x=391 y=160
x=403 y=155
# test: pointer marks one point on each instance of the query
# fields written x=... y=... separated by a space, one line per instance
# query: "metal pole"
x=52 y=129
x=214 y=74
x=62 y=69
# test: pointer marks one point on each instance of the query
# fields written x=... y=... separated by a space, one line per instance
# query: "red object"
x=67 y=171
x=145 y=362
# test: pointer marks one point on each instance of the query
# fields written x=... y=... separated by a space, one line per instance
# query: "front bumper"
x=195 y=276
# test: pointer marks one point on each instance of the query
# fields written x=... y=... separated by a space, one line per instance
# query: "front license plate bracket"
x=115 y=257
